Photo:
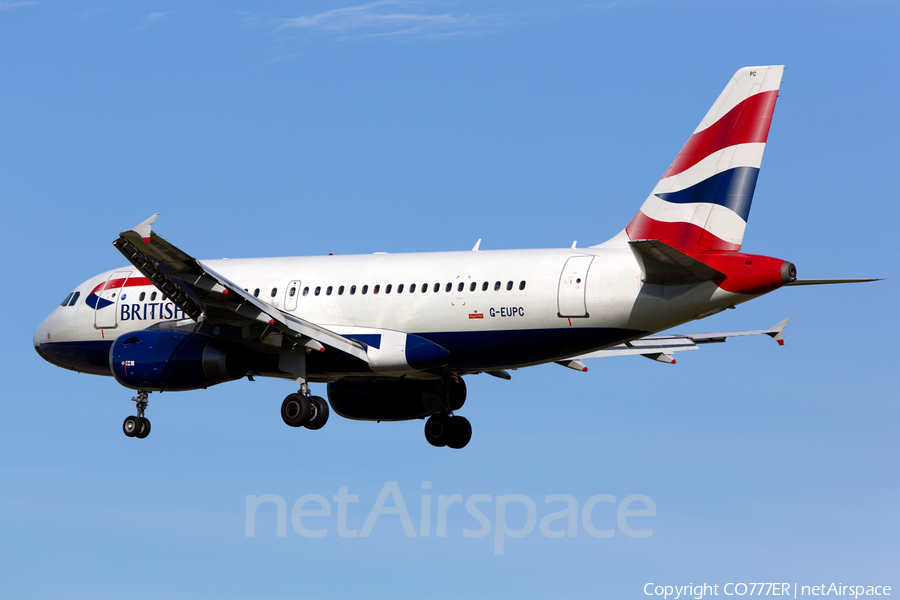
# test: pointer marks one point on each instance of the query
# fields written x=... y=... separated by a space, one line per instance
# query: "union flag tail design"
x=703 y=200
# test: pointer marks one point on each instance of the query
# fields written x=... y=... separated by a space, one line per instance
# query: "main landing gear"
x=444 y=429
x=138 y=426
x=303 y=410
x=447 y=430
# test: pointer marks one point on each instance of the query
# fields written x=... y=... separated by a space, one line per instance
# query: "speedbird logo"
x=95 y=301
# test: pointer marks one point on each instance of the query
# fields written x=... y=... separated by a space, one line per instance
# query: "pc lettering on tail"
x=385 y=331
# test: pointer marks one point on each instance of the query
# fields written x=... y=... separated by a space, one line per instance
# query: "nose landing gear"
x=138 y=426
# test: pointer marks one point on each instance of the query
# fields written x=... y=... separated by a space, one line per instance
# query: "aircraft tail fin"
x=703 y=200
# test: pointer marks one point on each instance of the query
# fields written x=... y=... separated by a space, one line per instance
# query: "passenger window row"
x=435 y=288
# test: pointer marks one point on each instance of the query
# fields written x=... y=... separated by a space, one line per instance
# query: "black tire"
x=131 y=426
x=295 y=410
x=460 y=432
x=319 y=414
x=144 y=429
x=457 y=393
x=437 y=430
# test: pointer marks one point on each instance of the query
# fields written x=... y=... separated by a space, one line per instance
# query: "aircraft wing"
x=205 y=295
x=660 y=347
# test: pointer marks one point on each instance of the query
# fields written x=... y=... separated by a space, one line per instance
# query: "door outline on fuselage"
x=291 y=294
x=570 y=298
x=104 y=318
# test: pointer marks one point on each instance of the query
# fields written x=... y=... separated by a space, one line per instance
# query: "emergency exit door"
x=572 y=284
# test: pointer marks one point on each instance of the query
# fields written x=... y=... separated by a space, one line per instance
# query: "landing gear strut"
x=444 y=429
x=138 y=426
x=303 y=410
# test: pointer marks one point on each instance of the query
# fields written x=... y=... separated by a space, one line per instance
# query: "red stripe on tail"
x=747 y=122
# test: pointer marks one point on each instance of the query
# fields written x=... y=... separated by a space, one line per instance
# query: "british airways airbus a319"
x=393 y=335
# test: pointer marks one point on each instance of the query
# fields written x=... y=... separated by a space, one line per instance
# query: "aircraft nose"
x=41 y=334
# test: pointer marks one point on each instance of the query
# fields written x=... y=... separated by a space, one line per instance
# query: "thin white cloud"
x=11 y=5
x=394 y=18
x=152 y=19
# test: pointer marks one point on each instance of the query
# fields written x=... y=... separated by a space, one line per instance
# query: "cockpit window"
x=74 y=298
x=66 y=301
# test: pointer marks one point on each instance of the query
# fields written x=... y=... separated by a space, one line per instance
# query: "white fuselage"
x=490 y=309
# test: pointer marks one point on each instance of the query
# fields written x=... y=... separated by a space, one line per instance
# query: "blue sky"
x=292 y=128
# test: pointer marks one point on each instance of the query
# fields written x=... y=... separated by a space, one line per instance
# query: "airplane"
x=393 y=335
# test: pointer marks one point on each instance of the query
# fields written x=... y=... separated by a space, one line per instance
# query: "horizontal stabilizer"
x=828 y=281
x=662 y=264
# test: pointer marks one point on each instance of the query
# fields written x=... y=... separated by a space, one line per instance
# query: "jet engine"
x=173 y=361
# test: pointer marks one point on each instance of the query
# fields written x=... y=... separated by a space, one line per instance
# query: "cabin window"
x=66 y=301
x=341 y=291
x=522 y=285
x=460 y=287
x=352 y=289
x=365 y=289
x=328 y=290
x=508 y=285
x=484 y=286
x=162 y=298
x=400 y=288
x=142 y=296
x=449 y=287
x=472 y=286
x=497 y=286
x=437 y=288
x=74 y=298
x=376 y=289
x=387 y=289
x=412 y=288
x=318 y=290
x=424 y=287
x=274 y=292
x=256 y=293
x=292 y=292
x=306 y=291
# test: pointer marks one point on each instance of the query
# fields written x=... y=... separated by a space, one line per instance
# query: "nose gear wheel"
x=138 y=426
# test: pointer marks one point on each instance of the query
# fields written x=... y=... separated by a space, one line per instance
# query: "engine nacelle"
x=397 y=400
x=173 y=361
